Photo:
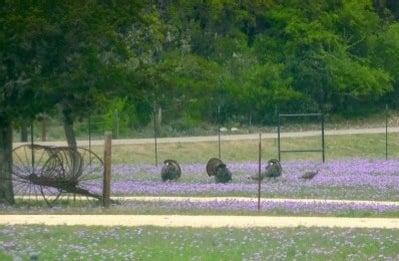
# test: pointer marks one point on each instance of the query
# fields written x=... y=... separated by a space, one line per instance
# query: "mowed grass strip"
x=339 y=146
x=138 y=207
x=153 y=243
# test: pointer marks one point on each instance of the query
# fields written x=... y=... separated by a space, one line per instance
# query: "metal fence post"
x=116 y=115
x=278 y=138
x=259 y=169
x=386 y=131
x=89 y=123
x=89 y=129
x=219 y=135
x=155 y=137
x=322 y=139
x=219 y=144
x=32 y=149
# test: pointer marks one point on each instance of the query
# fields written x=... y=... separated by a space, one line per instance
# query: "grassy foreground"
x=152 y=243
x=159 y=208
x=340 y=146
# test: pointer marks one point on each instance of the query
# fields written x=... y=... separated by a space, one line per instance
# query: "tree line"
x=248 y=58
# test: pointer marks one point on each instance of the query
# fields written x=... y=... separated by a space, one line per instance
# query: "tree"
x=324 y=46
x=84 y=53
x=56 y=53
x=20 y=75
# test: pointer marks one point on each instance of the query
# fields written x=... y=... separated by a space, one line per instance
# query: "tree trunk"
x=71 y=140
x=44 y=128
x=6 y=189
x=69 y=132
x=24 y=132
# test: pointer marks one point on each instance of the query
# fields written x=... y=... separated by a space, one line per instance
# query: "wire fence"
x=160 y=140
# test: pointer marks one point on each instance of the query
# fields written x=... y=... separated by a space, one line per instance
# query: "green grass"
x=340 y=146
x=153 y=243
x=138 y=207
x=315 y=192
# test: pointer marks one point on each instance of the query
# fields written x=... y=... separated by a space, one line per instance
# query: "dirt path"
x=199 y=221
x=228 y=137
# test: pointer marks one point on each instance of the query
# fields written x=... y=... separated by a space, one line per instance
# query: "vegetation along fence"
x=374 y=137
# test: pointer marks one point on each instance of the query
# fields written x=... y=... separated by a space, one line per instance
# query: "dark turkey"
x=223 y=174
x=170 y=170
x=272 y=170
x=216 y=167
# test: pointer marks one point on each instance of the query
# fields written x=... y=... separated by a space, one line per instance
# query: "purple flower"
x=348 y=178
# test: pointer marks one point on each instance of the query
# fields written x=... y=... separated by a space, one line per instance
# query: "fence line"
x=220 y=137
x=227 y=137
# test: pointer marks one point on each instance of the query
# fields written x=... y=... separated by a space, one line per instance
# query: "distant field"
x=55 y=130
x=336 y=146
x=342 y=146
x=152 y=243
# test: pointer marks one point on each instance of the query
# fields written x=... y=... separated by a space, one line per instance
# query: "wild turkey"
x=216 y=167
x=223 y=174
x=309 y=175
x=272 y=170
x=170 y=170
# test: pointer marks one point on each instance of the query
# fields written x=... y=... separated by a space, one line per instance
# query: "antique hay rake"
x=55 y=172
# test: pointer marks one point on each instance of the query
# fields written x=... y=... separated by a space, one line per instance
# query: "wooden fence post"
x=107 y=170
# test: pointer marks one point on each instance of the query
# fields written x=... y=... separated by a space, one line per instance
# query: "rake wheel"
x=30 y=163
x=54 y=171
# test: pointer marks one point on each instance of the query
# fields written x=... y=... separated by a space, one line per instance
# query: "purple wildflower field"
x=350 y=179
x=339 y=179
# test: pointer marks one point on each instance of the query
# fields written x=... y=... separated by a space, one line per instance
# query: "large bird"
x=170 y=170
x=272 y=170
x=216 y=167
x=223 y=174
x=309 y=174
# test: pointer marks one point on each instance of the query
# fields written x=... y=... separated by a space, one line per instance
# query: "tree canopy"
x=253 y=56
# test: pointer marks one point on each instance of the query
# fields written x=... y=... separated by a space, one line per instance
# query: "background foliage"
x=187 y=58
x=254 y=57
